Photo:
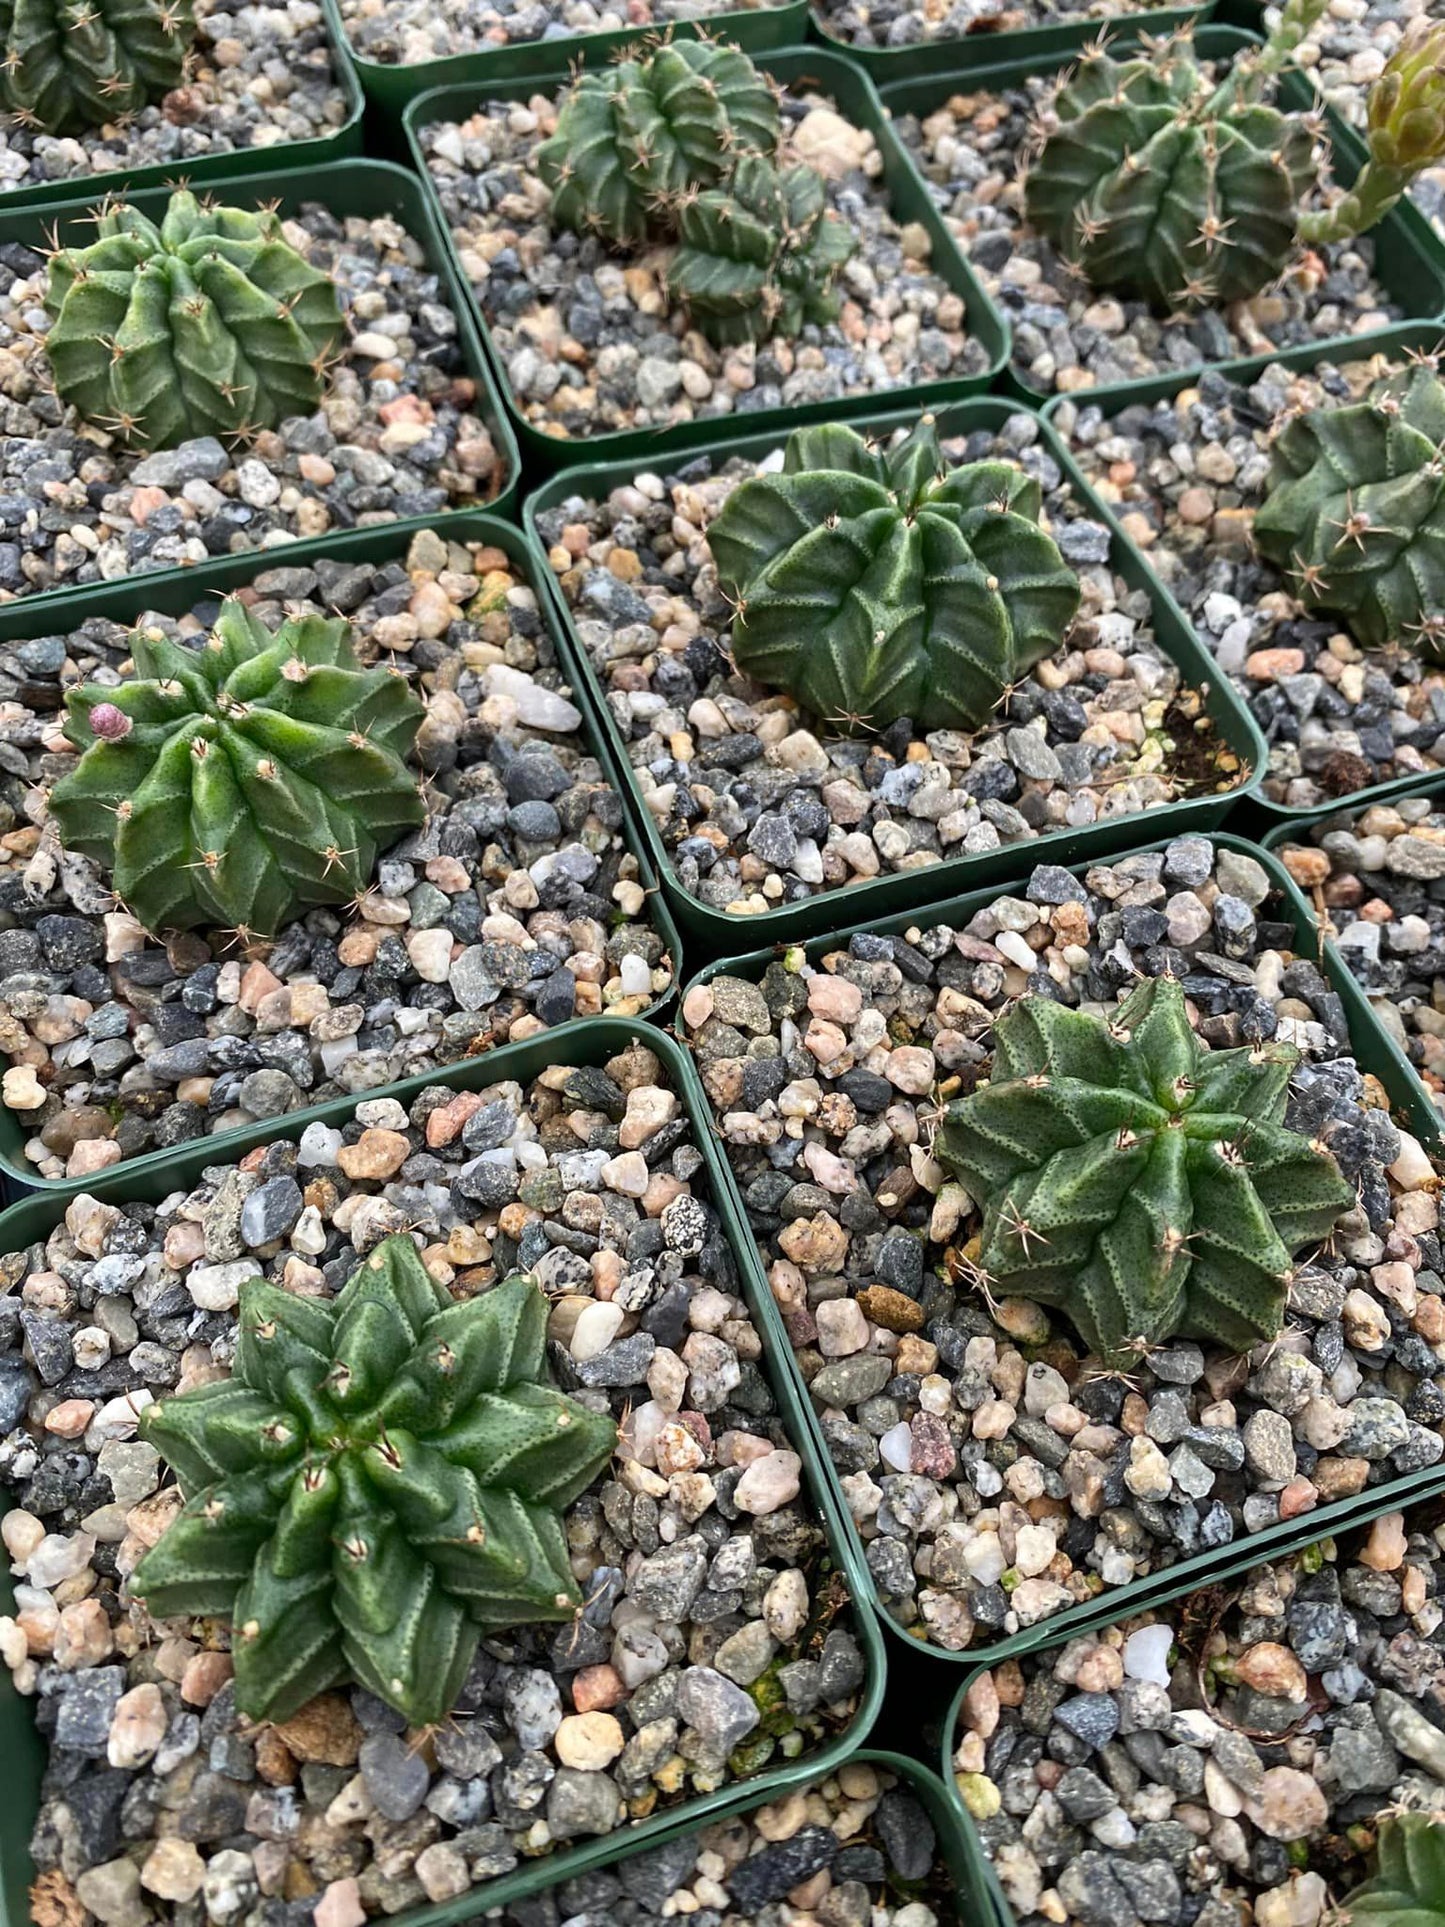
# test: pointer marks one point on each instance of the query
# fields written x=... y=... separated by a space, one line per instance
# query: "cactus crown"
x=1138 y=1182
x=66 y=65
x=873 y=586
x=210 y=324
x=234 y=784
x=1408 y=1889
x=377 y=1485
x=1356 y=510
x=1153 y=180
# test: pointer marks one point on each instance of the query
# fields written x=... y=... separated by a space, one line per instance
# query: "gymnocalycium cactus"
x=210 y=324
x=631 y=141
x=377 y=1484
x=876 y=585
x=72 y=64
x=1356 y=511
x=1153 y=180
x=1409 y=1888
x=1135 y=1180
x=234 y=784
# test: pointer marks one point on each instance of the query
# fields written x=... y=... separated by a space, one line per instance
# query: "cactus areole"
x=1135 y=1180
x=235 y=784
x=378 y=1484
x=70 y=65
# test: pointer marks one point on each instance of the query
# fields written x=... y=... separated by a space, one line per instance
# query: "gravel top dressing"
x=997 y=1475
x=1224 y=1757
x=395 y=435
x=262 y=76
x=894 y=23
x=1186 y=477
x=1068 y=336
x=714 y=1637
x=760 y=803
x=516 y=906
x=405 y=32
x=585 y=337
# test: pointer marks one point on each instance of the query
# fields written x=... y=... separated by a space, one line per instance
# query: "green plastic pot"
x=235 y=165
x=588 y=1043
x=343 y=188
x=716 y=931
x=1372 y=1050
x=1390 y=342
x=1409 y=255
x=179 y=592
x=801 y=69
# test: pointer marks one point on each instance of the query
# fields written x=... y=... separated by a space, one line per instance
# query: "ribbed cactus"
x=237 y=783
x=377 y=1485
x=1409 y=1888
x=1136 y=1181
x=759 y=255
x=68 y=65
x=210 y=324
x=1355 y=516
x=1153 y=180
x=873 y=586
x=632 y=140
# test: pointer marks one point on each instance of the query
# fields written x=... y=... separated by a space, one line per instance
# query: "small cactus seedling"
x=1136 y=1181
x=1356 y=511
x=210 y=324
x=68 y=65
x=1408 y=1890
x=632 y=140
x=234 y=784
x=378 y=1483
x=1153 y=180
x=873 y=586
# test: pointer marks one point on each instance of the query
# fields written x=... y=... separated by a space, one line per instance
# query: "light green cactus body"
x=873 y=586
x=379 y=1483
x=1136 y=1181
x=1405 y=130
x=632 y=140
x=1355 y=516
x=70 y=65
x=210 y=324
x=237 y=783
x=760 y=254
x=1408 y=1890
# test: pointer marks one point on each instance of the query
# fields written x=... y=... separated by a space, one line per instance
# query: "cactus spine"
x=69 y=65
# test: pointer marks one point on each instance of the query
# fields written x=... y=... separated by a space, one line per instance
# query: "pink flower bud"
x=109 y=723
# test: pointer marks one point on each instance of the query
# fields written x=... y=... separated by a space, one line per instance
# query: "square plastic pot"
x=179 y=592
x=1373 y=1052
x=588 y=1043
x=857 y=100
x=717 y=933
x=1409 y=255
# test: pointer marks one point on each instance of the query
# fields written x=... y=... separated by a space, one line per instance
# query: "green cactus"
x=70 y=65
x=631 y=141
x=759 y=255
x=873 y=586
x=237 y=783
x=1136 y=1181
x=1405 y=131
x=377 y=1485
x=1355 y=516
x=1409 y=1888
x=210 y=324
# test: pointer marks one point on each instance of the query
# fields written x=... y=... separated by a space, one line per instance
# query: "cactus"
x=1408 y=1890
x=874 y=586
x=631 y=141
x=1152 y=180
x=377 y=1485
x=68 y=65
x=210 y=324
x=1355 y=515
x=759 y=255
x=1134 y=1180
x=233 y=784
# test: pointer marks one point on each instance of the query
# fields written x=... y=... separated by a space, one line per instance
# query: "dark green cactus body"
x=874 y=586
x=1356 y=511
x=1409 y=1888
x=69 y=65
x=210 y=324
x=234 y=784
x=633 y=139
x=1134 y=1180
x=378 y=1484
